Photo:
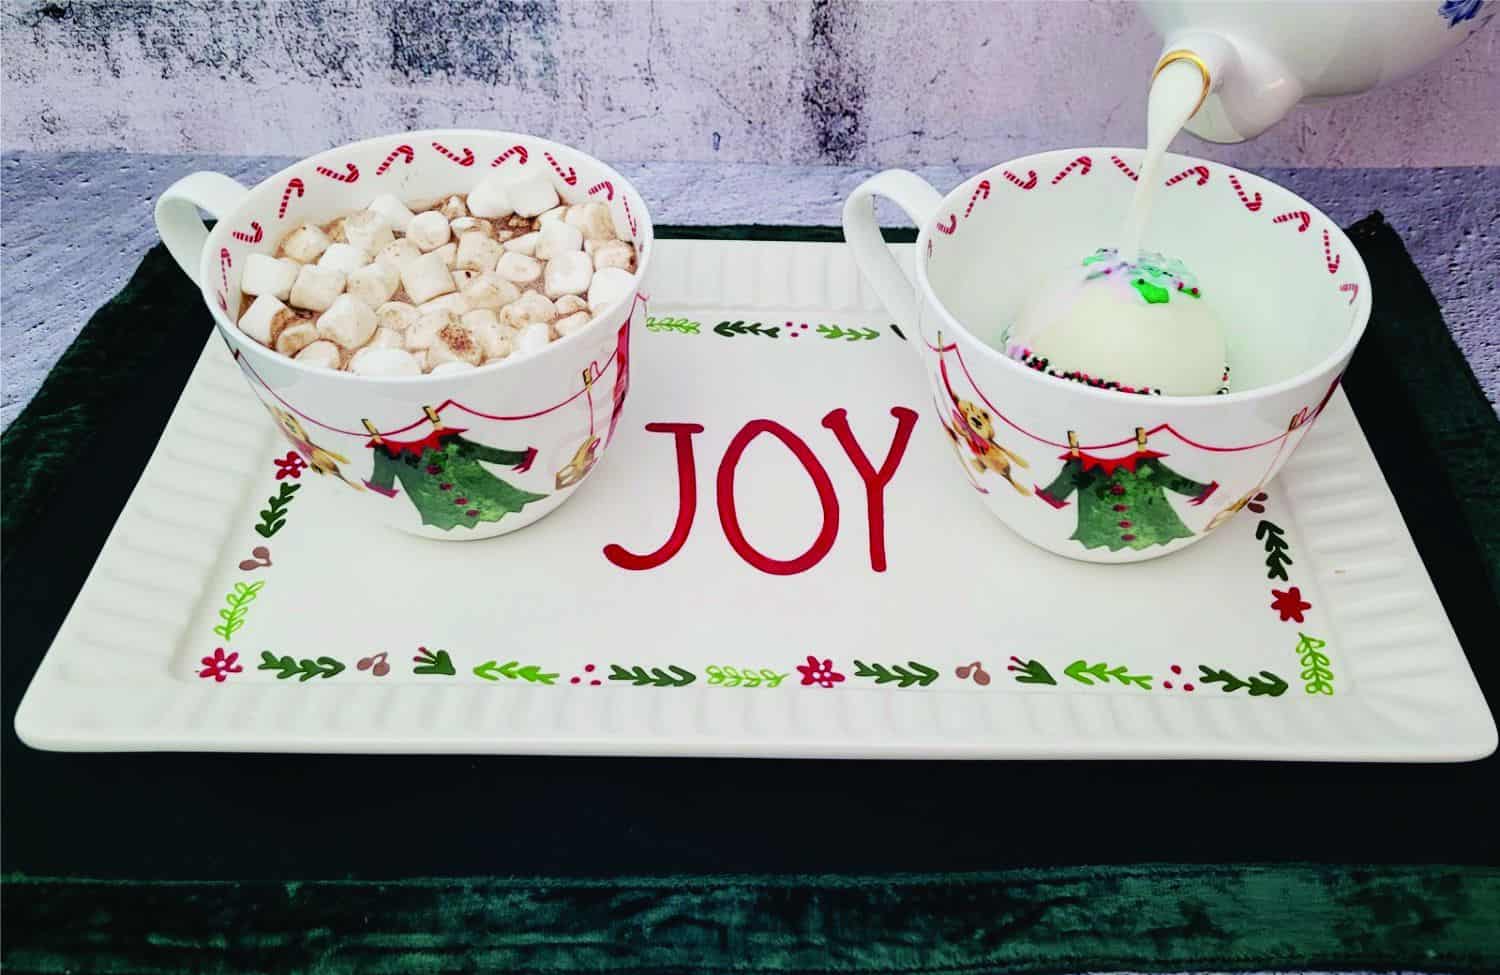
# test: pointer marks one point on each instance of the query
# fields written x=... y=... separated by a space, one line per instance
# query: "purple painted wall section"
x=907 y=83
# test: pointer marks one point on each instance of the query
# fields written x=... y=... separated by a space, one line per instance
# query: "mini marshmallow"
x=453 y=208
x=316 y=287
x=491 y=291
x=429 y=230
x=296 y=337
x=448 y=254
x=454 y=343
x=265 y=317
x=349 y=322
x=490 y=199
x=609 y=286
x=614 y=253
x=447 y=367
x=393 y=210
x=493 y=338
x=384 y=361
x=421 y=335
x=469 y=225
x=426 y=277
x=593 y=220
x=527 y=309
x=455 y=303
x=368 y=230
x=531 y=195
x=373 y=284
x=573 y=323
x=305 y=244
x=477 y=251
x=524 y=244
x=321 y=355
x=266 y=275
x=344 y=257
x=570 y=305
x=568 y=273
x=397 y=253
x=554 y=214
x=397 y=316
x=386 y=338
x=558 y=238
x=532 y=338
x=518 y=268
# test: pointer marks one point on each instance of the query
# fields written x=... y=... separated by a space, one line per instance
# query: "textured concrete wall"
x=794 y=82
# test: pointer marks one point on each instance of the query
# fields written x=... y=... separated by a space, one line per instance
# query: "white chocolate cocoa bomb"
x=1141 y=327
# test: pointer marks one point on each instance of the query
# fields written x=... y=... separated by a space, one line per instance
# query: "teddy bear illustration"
x=974 y=428
x=319 y=459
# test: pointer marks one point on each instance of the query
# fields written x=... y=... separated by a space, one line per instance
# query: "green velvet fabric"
x=1143 y=918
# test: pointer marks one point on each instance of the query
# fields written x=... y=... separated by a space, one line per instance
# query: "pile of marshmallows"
x=468 y=281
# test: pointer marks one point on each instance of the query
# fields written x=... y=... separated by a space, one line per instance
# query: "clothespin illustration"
x=1072 y=444
x=432 y=417
x=1140 y=438
x=374 y=433
x=590 y=373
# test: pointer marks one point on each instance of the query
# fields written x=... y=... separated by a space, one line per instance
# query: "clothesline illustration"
x=1300 y=419
x=590 y=376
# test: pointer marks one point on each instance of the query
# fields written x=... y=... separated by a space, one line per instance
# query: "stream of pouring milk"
x=1172 y=101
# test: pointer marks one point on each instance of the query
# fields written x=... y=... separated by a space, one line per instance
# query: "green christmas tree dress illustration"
x=443 y=476
x=1122 y=501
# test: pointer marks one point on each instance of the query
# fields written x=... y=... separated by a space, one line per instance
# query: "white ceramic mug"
x=412 y=451
x=1096 y=474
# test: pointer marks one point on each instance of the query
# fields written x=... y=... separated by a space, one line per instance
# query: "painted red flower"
x=820 y=673
x=1289 y=604
x=220 y=665
x=292 y=465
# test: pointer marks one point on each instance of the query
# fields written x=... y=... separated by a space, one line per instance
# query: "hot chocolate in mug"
x=1099 y=474
x=450 y=456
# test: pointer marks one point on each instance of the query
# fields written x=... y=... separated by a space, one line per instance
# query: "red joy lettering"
x=729 y=516
x=687 y=502
x=875 y=480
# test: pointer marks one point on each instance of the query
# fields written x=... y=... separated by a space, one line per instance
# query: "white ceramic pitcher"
x=1260 y=59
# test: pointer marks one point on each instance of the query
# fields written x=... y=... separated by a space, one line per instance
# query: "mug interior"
x=414 y=167
x=1287 y=284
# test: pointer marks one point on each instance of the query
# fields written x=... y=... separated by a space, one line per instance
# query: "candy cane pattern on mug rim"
x=1124 y=167
x=1330 y=259
x=1301 y=215
x=1028 y=183
x=1250 y=204
x=467 y=159
x=1352 y=289
x=225 y=263
x=518 y=151
x=570 y=177
x=630 y=218
x=983 y=189
x=406 y=152
x=254 y=238
x=292 y=184
x=350 y=175
x=1083 y=164
x=606 y=186
x=952 y=225
x=1200 y=171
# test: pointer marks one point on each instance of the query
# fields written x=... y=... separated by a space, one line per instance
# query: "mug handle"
x=177 y=219
x=920 y=201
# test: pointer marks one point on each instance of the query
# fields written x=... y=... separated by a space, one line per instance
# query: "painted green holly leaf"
x=913 y=674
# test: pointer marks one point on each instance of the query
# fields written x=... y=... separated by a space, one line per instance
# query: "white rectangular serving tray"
x=970 y=644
